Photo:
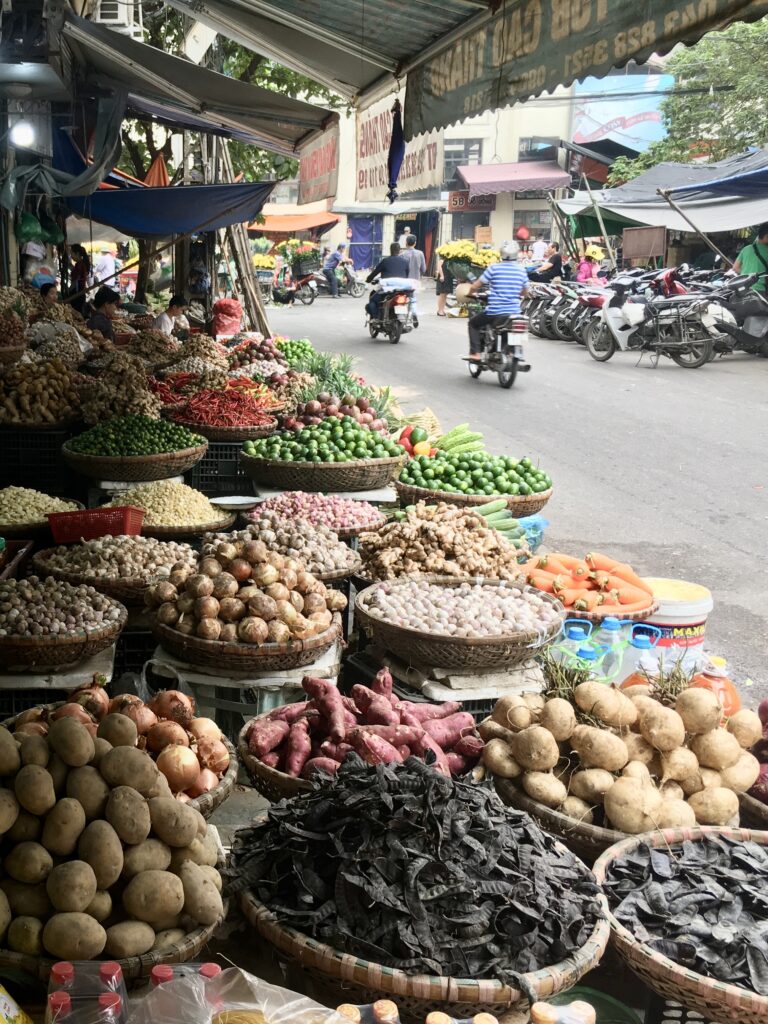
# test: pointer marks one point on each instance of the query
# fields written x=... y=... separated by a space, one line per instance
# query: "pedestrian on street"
x=753 y=258
x=329 y=269
x=417 y=266
x=402 y=240
x=444 y=284
x=507 y=284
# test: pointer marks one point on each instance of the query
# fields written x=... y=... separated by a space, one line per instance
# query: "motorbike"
x=394 y=317
x=498 y=355
x=349 y=284
x=678 y=327
x=742 y=324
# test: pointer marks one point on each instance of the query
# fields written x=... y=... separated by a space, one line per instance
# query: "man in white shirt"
x=166 y=321
x=105 y=265
x=539 y=249
x=417 y=266
x=404 y=237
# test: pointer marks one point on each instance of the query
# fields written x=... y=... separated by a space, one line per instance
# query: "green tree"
x=717 y=106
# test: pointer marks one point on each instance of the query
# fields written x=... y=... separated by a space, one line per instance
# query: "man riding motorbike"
x=507 y=284
x=392 y=266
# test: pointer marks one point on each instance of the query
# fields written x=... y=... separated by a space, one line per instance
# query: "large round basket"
x=35 y=530
x=134 y=468
x=33 y=654
x=246 y=657
x=590 y=841
x=347 y=978
x=231 y=434
x=127 y=591
x=271 y=783
x=519 y=504
x=191 y=530
x=714 y=1000
x=615 y=611
x=431 y=649
x=329 y=477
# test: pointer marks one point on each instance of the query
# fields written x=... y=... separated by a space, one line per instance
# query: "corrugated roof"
x=491 y=179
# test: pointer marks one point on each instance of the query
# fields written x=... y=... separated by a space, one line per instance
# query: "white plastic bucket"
x=682 y=619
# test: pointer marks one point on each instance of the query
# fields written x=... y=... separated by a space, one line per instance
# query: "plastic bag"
x=28 y=227
x=232 y=997
x=534 y=527
x=227 y=316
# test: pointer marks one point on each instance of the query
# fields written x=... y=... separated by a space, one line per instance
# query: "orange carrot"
x=571 y=597
x=597 y=561
x=638 y=606
x=569 y=561
x=541 y=581
x=601 y=580
x=552 y=563
x=588 y=600
x=627 y=573
x=610 y=597
x=633 y=595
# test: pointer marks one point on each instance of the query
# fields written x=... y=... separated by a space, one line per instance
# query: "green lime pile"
x=333 y=440
x=475 y=473
x=295 y=350
x=134 y=435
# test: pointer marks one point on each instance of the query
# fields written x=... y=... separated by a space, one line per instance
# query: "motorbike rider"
x=335 y=259
x=507 y=284
x=392 y=266
x=753 y=258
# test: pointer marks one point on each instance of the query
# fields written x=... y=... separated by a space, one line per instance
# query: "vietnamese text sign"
x=535 y=45
x=422 y=165
x=461 y=202
x=319 y=166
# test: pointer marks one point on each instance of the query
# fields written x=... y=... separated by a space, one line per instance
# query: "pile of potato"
x=98 y=857
x=624 y=759
x=38 y=394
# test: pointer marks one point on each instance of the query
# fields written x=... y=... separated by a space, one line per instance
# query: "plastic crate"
x=220 y=471
x=301 y=268
x=133 y=650
x=479 y=709
x=89 y=523
x=32 y=458
x=13 y=702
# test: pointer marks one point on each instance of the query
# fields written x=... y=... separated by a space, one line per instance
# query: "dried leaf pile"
x=405 y=867
x=703 y=905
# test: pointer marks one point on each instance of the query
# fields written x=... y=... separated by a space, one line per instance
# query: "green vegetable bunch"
x=333 y=440
x=134 y=435
x=475 y=473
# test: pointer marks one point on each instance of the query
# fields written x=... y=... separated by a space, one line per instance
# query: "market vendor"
x=49 y=293
x=753 y=258
x=166 y=321
x=104 y=307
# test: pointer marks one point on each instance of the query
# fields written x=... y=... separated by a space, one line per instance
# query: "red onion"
x=240 y=569
x=93 y=698
x=199 y=585
x=214 y=755
x=166 y=734
x=206 y=607
x=119 y=703
x=206 y=781
x=231 y=609
x=252 y=630
x=208 y=629
x=173 y=704
x=180 y=767
x=204 y=729
x=760 y=788
x=141 y=716
x=75 y=711
x=210 y=566
x=225 y=585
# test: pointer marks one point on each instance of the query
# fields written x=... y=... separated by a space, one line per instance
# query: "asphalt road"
x=663 y=467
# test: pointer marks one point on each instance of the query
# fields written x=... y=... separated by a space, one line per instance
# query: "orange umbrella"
x=157 y=175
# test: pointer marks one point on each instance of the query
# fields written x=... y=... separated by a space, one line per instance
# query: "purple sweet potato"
x=382 y=685
x=316 y=688
x=426 y=712
x=350 y=705
x=373 y=749
x=456 y=763
x=266 y=736
x=448 y=731
x=397 y=735
x=404 y=751
x=375 y=709
x=470 y=747
x=271 y=760
x=298 y=748
x=425 y=743
x=290 y=712
x=334 y=714
x=317 y=765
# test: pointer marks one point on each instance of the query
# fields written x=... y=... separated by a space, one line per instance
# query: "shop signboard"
x=460 y=202
x=319 y=166
x=533 y=46
x=422 y=164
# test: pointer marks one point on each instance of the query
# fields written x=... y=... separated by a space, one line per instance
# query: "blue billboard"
x=622 y=108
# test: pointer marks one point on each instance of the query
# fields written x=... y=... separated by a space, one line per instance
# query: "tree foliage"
x=717 y=106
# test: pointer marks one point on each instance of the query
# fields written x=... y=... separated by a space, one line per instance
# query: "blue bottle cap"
x=642 y=642
x=586 y=654
x=611 y=622
x=576 y=633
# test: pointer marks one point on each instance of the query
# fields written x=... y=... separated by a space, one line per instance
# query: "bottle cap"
x=63 y=973
x=110 y=973
x=384 y=1010
x=438 y=1017
x=586 y=654
x=642 y=642
x=209 y=970
x=576 y=633
x=59 y=1004
x=161 y=974
x=110 y=1003
x=611 y=622
x=349 y=1011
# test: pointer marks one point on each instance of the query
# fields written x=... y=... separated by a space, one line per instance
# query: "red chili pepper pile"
x=233 y=408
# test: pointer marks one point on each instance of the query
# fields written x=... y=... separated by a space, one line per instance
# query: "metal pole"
x=705 y=238
x=601 y=222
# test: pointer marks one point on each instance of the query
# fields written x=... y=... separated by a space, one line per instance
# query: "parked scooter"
x=394 y=317
x=742 y=324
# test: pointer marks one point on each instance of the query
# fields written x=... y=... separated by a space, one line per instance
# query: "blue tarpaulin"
x=743 y=175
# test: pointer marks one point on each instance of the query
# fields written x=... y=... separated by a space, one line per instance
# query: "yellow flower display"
x=465 y=251
x=262 y=262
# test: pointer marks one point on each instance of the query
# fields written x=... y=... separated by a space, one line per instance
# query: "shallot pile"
x=50 y=608
x=338 y=514
x=123 y=557
x=317 y=547
x=468 y=610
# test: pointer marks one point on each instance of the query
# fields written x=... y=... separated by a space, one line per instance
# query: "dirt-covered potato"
x=64 y=824
x=173 y=822
x=559 y=717
x=151 y=855
x=544 y=788
x=591 y=785
x=34 y=789
x=74 y=937
x=599 y=748
x=10 y=758
x=100 y=847
x=118 y=730
x=34 y=750
x=128 y=813
x=100 y=748
x=100 y=906
x=154 y=896
x=746 y=726
x=714 y=806
x=28 y=862
x=71 y=741
x=574 y=807
x=535 y=749
x=58 y=771
x=212 y=874
x=27 y=900
x=166 y=939
x=91 y=791
x=9 y=810
x=202 y=851
x=5 y=915
x=128 y=766
x=202 y=900
x=662 y=727
x=71 y=886
x=129 y=938
x=25 y=935
x=27 y=827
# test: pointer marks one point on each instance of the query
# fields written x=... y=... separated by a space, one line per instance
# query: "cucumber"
x=490 y=507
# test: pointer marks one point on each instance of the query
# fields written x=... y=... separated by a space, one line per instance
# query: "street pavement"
x=665 y=468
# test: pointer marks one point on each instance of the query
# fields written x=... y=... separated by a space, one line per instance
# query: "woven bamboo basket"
x=328 y=477
x=23 y=654
x=232 y=434
x=715 y=1000
x=36 y=530
x=246 y=657
x=519 y=504
x=449 y=651
x=358 y=531
x=340 y=574
x=191 y=530
x=272 y=784
x=351 y=979
x=134 y=468
x=614 y=610
x=590 y=841
x=127 y=591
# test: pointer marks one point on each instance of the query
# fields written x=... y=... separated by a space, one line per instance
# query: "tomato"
x=723 y=689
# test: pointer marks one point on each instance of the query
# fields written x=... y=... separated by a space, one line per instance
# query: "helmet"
x=509 y=250
x=594 y=252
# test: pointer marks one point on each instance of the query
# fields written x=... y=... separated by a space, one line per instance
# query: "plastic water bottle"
x=610 y=641
x=574 y=638
x=640 y=662
x=587 y=659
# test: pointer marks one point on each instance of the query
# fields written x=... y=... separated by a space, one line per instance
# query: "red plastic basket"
x=89 y=523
